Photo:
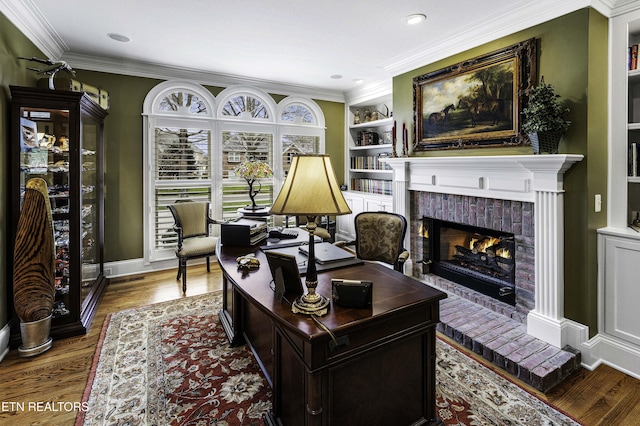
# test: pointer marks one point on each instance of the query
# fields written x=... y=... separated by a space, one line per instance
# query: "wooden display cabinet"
x=58 y=136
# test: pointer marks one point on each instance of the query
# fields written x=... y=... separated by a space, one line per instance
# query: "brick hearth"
x=484 y=326
x=490 y=328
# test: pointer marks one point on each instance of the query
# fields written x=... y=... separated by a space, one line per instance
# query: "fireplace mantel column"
x=401 y=202
x=546 y=321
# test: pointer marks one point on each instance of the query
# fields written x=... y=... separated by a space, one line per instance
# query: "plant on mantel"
x=543 y=118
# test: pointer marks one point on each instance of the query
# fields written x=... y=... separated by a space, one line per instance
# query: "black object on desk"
x=285 y=234
x=352 y=293
x=243 y=232
x=285 y=273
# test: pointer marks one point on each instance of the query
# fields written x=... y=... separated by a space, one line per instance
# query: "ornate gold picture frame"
x=475 y=103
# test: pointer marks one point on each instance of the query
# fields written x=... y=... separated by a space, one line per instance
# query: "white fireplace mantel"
x=508 y=177
x=531 y=178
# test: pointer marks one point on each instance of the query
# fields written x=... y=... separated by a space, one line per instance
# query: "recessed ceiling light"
x=414 y=19
x=358 y=81
x=119 y=37
x=336 y=76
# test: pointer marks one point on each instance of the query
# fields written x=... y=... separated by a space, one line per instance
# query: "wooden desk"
x=385 y=375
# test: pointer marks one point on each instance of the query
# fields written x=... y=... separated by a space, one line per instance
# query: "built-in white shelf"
x=365 y=147
x=375 y=123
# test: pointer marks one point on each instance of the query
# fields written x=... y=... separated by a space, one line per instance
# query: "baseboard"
x=5 y=334
x=602 y=349
x=611 y=351
x=558 y=333
x=124 y=268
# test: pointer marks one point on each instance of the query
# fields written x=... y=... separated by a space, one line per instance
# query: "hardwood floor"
x=54 y=381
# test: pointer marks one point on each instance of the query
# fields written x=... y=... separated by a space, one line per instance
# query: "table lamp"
x=310 y=189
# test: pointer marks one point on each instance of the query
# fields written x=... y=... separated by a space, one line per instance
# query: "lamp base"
x=315 y=305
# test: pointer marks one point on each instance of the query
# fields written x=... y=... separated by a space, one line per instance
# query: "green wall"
x=13 y=44
x=572 y=55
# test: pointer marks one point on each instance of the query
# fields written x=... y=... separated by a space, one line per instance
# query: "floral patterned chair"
x=380 y=236
x=192 y=226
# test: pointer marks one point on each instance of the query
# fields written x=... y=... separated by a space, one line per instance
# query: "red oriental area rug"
x=170 y=364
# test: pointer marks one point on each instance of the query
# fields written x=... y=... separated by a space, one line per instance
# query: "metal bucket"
x=35 y=337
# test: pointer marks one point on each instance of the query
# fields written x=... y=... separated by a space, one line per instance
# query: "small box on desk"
x=243 y=232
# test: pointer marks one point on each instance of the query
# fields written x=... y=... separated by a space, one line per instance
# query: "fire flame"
x=482 y=245
x=504 y=253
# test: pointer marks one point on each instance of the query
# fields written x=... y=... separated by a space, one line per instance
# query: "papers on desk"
x=302 y=258
x=273 y=243
x=327 y=252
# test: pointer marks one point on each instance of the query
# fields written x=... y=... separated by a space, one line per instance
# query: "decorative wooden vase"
x=34 y=269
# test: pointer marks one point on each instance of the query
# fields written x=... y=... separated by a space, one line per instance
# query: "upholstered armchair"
x=194 y=241
x=380 y=236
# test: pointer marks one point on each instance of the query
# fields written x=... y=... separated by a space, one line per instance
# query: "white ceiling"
x=296 y=45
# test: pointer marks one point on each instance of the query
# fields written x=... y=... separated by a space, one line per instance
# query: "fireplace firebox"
x=478 y=258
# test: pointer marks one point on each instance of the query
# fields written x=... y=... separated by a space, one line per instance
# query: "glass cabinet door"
x=44 y=153
x=90 y=210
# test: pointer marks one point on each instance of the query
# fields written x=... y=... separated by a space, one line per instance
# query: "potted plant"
x=253 y=170
x=544 y=120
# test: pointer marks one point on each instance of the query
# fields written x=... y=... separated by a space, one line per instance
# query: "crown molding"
x=28 y=19
x=376 y=89
x=522 y=15
x=618 y=7
x=165 y=72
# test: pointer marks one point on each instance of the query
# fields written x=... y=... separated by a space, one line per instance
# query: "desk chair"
x=192 y=226
x=380 y=236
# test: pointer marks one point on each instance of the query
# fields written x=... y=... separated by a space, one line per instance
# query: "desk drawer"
x=379 y=332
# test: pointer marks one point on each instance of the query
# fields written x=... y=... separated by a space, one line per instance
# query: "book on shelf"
x=369 y=162
x=633 y=57
x=372 y=186
x=366 y=138
x=634 y=166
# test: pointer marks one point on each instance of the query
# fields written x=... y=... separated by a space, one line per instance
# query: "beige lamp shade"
x=310 y=189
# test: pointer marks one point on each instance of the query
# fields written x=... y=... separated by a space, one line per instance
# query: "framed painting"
x=475 y=103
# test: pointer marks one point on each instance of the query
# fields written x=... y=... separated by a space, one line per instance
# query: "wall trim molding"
x=164 y=72
x=615 y=353
x=124 y=268
x=522 y=16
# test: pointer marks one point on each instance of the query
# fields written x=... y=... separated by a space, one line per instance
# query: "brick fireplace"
x=513 y=220
x=520 y=194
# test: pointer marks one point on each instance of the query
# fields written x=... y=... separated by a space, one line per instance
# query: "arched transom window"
x=245 y=106
x=194 y=142
x=182 y=102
